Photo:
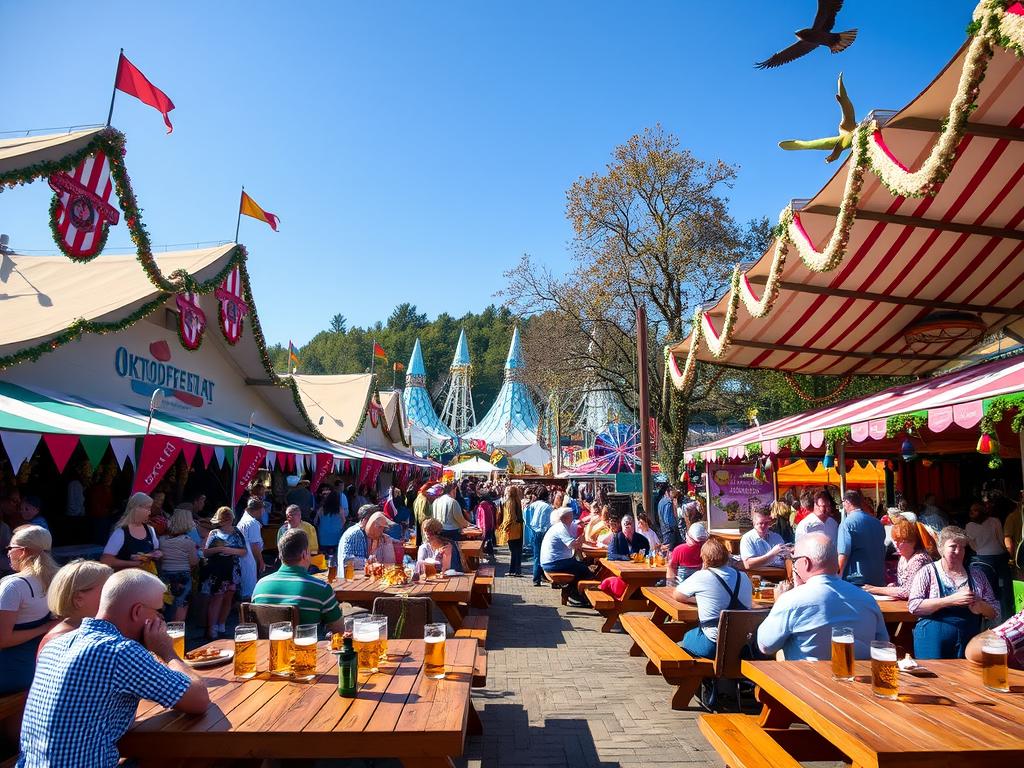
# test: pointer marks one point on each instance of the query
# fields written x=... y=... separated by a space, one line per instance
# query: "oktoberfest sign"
x=231 y=307
x=81 y=212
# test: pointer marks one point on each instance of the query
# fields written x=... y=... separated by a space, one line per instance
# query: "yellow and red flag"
x=293 y=359
x=379 y=353
x=249 y=207
x=399 y=367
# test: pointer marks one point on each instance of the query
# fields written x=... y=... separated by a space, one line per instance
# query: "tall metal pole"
x=110 y=113
x=643 y=406
x=557 y=458
x=238 y=221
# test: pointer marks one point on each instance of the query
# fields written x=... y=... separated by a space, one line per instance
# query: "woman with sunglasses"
x=24 y=614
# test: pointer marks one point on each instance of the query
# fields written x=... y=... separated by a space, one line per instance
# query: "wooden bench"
x=560 y=581
x=480 y=669
x=483 y=585
x=611 y=608
x=742 y=743
x=475 y=626
x=666 y=658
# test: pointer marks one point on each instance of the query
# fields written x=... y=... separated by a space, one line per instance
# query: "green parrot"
x=836 y=143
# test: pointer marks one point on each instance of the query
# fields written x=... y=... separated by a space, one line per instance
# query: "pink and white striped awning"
x=955 y=399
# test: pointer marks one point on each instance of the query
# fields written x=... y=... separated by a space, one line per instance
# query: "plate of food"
x=208 y=657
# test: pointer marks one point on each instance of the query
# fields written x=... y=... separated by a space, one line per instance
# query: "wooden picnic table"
x=636 y=575
x=471 y=551
x=450 y=594
x=268 y=717
x=768 y=573
x=593 y=553
x=942 y=720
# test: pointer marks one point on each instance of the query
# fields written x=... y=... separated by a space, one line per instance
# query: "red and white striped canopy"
x=961 y=250
x=950 y=401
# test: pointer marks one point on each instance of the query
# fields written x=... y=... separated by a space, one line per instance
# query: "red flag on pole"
x=134 y=83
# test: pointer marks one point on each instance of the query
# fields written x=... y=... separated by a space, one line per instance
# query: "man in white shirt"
x=801 y=621
x=446 y=509
x=251 y=564
x=821 y=520
x=761 y=547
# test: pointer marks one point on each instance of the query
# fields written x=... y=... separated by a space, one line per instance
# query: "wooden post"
x=643 y=407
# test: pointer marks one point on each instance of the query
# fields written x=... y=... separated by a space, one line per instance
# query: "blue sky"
x=414 y=150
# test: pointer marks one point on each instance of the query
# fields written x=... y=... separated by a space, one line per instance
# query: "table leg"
x=452 y=613
x=474 y=727
x=659 y=617
x=773 y=714
x=611 y=618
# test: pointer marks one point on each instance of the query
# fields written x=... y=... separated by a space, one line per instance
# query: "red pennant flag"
x=61 y=447
x=188 y=452
x=134 y=83
x=158 y=456
x=250 y=460
x=206 y=451
x=324 y=464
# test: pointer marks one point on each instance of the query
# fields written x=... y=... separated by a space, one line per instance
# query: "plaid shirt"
x=87 y=686
x=1012 y=631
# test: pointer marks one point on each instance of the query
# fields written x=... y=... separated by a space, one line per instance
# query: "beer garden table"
x=267 y=717
x=593 y=553
x=470 y=551
x=636 y=575
x=451 y=594
x=946 y=719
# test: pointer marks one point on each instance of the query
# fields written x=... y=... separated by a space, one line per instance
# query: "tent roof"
x=461 y=358
x=906 y=257
x=31 y=150
x=957 y=398
x=336 y=404
x=512 y=421
x=475 y=464
x=864 y=474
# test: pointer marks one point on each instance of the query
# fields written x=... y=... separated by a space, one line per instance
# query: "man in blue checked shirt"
x=88 y=682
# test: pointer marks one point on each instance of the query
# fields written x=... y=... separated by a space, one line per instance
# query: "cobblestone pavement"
x=561 y=693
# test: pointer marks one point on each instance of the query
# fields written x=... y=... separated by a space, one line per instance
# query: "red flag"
x=133 y=82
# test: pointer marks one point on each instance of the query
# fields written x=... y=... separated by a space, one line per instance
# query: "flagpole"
x=373 y=355
x=110 y=113
x=238 y=223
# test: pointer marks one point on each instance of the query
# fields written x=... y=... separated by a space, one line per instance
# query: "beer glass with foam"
x=842 y=653
x=382 y=637
x=994 y=663
x=885 y=674
x=245 y=650
x=304 y=649
x=433 y=656
x=176 y=631
x=281 y=634
x=366 y=641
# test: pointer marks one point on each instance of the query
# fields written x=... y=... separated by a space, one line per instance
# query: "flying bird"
x=820 y=33
x=847 y=125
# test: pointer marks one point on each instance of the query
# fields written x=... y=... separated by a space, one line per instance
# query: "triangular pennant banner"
x=206 y=452
x=95 y=446
x=61 y=447
x=271 y=458
x=324 y=462
x=220 y=455
x=19 y=446
x=229 y=456
x=188 y=452
x=249 y=462
x=124 y=450
x=158 y=455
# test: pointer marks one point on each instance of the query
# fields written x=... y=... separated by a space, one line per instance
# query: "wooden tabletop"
x=471 y=551
x=768 y=573
x=949 y=719
x=447 y=593
x=594 y=552
x=673 y=609
x=274 y=718
x=629 y=571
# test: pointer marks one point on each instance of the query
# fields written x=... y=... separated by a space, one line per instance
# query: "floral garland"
x=995 y=24
x=905 y=422
x=998 y=408
x=822 y=400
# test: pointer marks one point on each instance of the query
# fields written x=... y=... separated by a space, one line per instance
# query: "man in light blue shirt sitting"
x=801 y=621
x=761 y=547
x=559 y=548
x=861 y=544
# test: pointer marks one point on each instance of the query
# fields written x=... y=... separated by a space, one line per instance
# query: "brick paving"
x=561 y=693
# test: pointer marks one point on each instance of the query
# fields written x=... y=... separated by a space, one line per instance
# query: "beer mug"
x=994 y=663
x=350 y=568
x=304 y=652
x=842 y=653
x=433 y=655
x=245 y=650
x=885 y=674
x=366 y=641
x=382 y=635
x=176 y=631
x=281 y=650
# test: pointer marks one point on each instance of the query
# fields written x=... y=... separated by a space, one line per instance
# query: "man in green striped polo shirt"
x=292 y=585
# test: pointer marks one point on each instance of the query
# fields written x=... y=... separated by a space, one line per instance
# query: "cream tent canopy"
x=474 y=466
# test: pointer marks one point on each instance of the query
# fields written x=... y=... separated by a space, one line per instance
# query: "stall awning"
x=957 y=399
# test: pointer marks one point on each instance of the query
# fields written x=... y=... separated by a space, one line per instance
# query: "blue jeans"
x=696 y=643
x=537 y=537
x=940 y=639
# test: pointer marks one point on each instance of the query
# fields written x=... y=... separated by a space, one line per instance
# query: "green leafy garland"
x=998 y=408
x=905 y=422
x=792 y=443
x=752 y=449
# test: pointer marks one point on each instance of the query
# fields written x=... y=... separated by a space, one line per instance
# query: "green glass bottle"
x=348 y=670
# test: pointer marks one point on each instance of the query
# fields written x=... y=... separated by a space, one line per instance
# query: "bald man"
x=88 y=683
x=800 y=623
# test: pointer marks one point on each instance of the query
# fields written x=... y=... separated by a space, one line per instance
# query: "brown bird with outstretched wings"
x=820 y=33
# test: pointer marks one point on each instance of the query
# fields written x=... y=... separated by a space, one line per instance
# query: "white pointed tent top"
x=461 y=359
x=416 y=366
x=515 y=352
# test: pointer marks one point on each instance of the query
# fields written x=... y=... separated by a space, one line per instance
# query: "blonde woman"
x=24 y=614
x=180 y=557
x=511 y=527
x=225 y=546
x=133 y=543
x=74 y=594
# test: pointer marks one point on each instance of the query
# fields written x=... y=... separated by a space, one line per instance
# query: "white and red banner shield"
x=83 y=211
x=231 y=307
x=191 y=319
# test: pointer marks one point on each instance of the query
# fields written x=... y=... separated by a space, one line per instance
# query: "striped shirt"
x=292 y=585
